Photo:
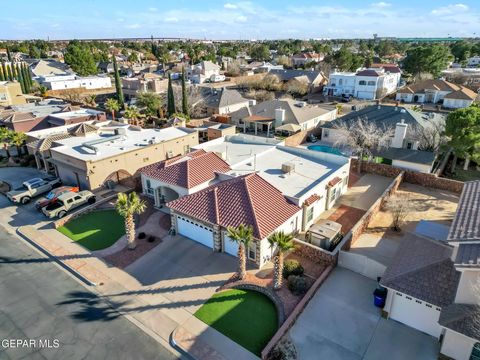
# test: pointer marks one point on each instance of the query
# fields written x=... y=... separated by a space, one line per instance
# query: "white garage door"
x=364 y=95
x=415 y=313
x=230 y=247
x=195 y=231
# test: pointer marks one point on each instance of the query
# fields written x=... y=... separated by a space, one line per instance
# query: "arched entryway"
x=121 y=177
x=164 y=194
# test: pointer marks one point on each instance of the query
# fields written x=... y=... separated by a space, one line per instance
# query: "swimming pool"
x=325 y=149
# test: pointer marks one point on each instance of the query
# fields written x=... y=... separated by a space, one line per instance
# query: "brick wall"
x=364 y=221
x=314 y=253
x=295 y=313
x=412 y=177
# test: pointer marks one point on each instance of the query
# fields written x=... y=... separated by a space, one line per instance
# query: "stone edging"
x=246 y=285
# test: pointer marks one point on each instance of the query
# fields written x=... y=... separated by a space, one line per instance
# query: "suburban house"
x=75 y=116
x=211 y=130
x=271 y=115
x=202 y=71
x=370 y=84
x=473 y=61
x=109 y=152
x=404 y=150
x=63 y=82
x=433 y=285
x=256 y=67
x=36 y=116
x=242 y=178
x=437 y=92
x=463 y=76
x=145 y=82
x=49 y=67
x=314 y=79
x=11 y=93
x=106 y=67
x=307 y=57
x=224 y=101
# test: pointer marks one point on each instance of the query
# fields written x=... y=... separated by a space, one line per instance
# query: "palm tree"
x=5 y=138
x=127 y=206
x=90 y=100
x=132 y=113
x=242 y=235
x=283 y=242
x=112 y=105
x=18 y=139
x=42 y=90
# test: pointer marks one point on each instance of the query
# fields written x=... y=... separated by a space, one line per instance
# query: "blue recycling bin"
x=379 y=296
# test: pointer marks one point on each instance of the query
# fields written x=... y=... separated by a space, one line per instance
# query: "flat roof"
x=106 y=143
x=76 y=113
x=246 y=154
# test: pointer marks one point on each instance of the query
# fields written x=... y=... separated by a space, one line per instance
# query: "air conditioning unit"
x=169 y=154
x=288 y=167
x=221 y=154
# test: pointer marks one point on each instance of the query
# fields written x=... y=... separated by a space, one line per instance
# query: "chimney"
x=279 y=117
x=399 y=136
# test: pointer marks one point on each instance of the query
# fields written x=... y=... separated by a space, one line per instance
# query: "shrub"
x=284 y=350
x=297 y=284
x=141 y=235
x=151 y=238
x=292 y=267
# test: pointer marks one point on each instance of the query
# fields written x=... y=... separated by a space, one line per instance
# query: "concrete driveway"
x=183 y=271
x=15 y=176
x=341 y=323
x=365 y=191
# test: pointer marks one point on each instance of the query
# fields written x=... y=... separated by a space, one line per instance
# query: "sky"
x=244 y=20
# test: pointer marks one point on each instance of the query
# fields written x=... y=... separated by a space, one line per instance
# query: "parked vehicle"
x=217 y=78
x=68 y=201
x=311 y=138
x=53 y=195
x=33 y=188
x=346 y=98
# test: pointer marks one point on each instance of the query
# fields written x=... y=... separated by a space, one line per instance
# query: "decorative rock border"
x=246 y=285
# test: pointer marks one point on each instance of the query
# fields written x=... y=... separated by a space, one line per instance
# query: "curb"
x=174 y=344
x=54 y=258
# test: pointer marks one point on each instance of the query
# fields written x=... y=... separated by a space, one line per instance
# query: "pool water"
x=325 y=149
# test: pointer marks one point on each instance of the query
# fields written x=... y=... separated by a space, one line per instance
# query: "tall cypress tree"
x=184 y=94
x=118 y=84
x=10 y=72
x=9 y=56
x=14 y=72
x=5 y=71
x=25 y=77
x=170 y=99
x=20 y=79
x=2 y=77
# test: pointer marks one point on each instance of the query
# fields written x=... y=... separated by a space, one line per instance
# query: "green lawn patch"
x=465 y=175
x=247 y=317
x=96 y=230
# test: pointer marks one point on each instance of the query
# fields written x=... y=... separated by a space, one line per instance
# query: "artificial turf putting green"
x=96 y=230
x=247 y=317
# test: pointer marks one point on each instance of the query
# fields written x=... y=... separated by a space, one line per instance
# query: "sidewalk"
x=203 y=342
x=123 y=292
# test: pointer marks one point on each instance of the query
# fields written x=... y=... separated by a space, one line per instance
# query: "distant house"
x=105 y=67
x=307 y=57
x=11 y=93
x=403 y=150
x=370 y=84
x=474 y=61
x=202 y=71
x=463 y=76
x=270 y=115
x=314 y=79
x=147 y=82
x=437 y=92
x=64 y=82
x=49 y=67
x=211 y=130
x=224 y=101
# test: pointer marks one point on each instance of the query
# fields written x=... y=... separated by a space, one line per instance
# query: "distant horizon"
x=238 y=20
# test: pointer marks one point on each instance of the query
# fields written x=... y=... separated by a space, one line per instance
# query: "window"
x=252 y=253
x=334 y=191
x=326 y=132
x=345 y=181
x=371 y=83
x=149 y=187
x=362 y=82
x=310 y=214
x=340 y=82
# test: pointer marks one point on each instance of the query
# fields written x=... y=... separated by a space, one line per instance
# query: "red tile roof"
x=369 y=72
x=334 y=181
x=311 y=199
x=387 y=67
x=247 y=199
x=188 y=171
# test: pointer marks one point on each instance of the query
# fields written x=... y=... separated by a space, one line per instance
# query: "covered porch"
x=258 y=123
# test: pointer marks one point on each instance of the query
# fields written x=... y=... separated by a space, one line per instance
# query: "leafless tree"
x=399 y=207
x=297 y=87
x=430 y=137
x=363 y=137
x=196 y=103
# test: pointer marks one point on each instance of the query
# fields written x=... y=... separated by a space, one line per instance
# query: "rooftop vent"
x=288 y=167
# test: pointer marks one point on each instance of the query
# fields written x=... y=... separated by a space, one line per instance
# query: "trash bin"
x=379 y=295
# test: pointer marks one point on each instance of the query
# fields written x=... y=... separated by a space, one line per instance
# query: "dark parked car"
x=311 y=138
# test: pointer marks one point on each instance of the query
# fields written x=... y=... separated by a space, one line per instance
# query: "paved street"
x=39 y=301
